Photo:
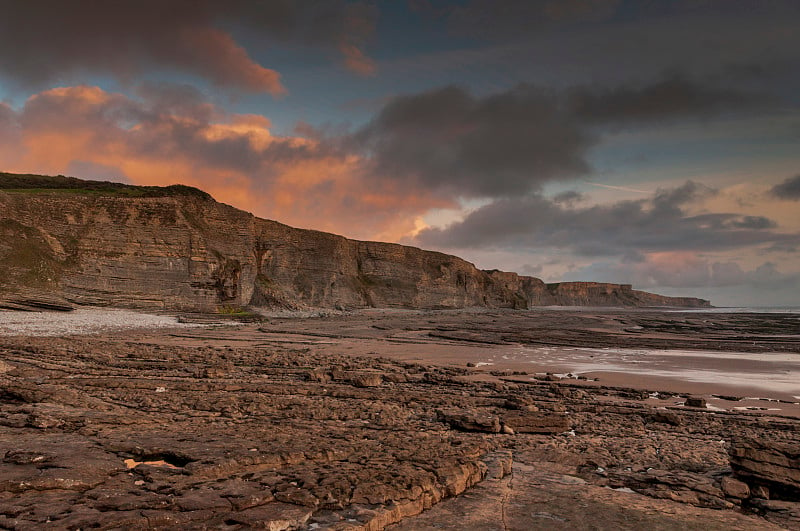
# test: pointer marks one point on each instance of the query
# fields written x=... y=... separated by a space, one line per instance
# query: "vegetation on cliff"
x=28 y=183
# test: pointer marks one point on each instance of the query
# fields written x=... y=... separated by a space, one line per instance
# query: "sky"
x=648 y=142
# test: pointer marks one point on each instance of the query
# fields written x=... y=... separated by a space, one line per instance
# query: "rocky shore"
x=258 y=427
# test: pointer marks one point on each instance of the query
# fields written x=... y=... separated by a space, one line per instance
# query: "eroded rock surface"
x=107 y=434
x=136 y=432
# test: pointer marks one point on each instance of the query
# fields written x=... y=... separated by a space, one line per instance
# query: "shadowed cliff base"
x=69 y=241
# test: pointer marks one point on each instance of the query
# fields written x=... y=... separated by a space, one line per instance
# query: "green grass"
x=48 y=184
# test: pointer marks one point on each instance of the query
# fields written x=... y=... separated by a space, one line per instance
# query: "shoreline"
x=762 y=381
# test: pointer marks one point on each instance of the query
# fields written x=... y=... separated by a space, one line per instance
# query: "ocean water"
x=768 y=371
x=716 y=309
x=739 y=309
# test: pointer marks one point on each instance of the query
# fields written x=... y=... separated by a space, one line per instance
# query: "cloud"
x=421 y=152
x=530 y=270
x=521 y=40
x=753 y=222
x=9 y=132
x=8 y=121
x=508 y=143
x=359 y=25
x=450 y=141
x=788 y=189
x=686 y=270
x=49 y=40
x=674 y=97
x=161 y=126
x=658 y=224
x=515 y=18
x=569 y=197
x=96 y=172
x=356 y=60
x=170 y=134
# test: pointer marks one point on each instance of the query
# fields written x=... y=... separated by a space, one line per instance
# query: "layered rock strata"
x=181 y=250
x=770 y=468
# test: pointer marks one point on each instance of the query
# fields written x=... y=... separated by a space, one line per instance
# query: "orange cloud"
x=228 y=63
x=356 y=61
x=294 y=179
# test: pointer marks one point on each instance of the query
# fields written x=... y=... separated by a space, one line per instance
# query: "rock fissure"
x=506 y=497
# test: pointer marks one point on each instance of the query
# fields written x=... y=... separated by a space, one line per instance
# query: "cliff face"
x=184 y=251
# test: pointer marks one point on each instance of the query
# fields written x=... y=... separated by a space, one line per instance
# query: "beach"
x=369 y=419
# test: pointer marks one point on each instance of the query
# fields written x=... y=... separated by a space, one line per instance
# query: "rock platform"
x=137 y=432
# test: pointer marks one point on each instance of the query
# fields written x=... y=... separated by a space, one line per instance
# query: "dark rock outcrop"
x=176 y=248
x=470 y=420
x=536 y=422
x=773 y=466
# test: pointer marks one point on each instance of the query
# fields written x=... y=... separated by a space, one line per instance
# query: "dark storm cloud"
x=788 y=189
x=672 y=98
x=511 y=18
x=46 y=40
x=569 y=197
x=521 y=18
x=738 y=43
x=659 y=223
x=448 y=139
x=174 y=99
x=668 y=202
x=753 y=222
x=511 y=142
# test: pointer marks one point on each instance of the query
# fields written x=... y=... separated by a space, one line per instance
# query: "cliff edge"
x=176 y=248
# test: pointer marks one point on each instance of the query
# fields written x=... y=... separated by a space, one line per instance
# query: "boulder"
x=695 y=401
x=536 y=422
x=470 y=420
x=365 y=379
x=664 y=417
x=735 y=488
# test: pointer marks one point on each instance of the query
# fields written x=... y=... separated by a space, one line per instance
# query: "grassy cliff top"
x=34 y=184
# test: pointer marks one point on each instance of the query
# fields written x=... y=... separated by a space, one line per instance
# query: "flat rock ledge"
x=33 y=301
x=124 y=433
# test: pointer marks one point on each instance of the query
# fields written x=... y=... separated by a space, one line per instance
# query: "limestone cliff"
x=176 y=248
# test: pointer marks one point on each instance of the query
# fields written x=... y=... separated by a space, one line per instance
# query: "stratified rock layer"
x=182 y=250
x=771 y=464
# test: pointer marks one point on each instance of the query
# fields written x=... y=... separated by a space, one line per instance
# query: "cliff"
x=176 y=248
